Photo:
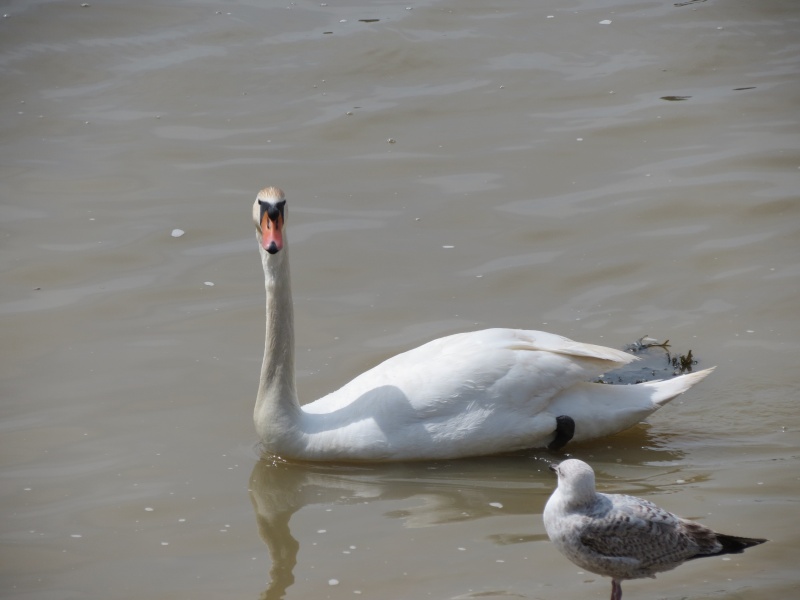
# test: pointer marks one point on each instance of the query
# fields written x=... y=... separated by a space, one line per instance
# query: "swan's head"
x=269 y=212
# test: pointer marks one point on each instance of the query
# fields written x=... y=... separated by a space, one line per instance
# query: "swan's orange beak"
x=271 y=233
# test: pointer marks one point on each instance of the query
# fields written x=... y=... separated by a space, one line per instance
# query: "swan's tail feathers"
x=602 y=409
x=549 y=342
x=666 y=390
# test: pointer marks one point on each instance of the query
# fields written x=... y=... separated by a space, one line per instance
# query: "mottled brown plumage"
x=624 y=537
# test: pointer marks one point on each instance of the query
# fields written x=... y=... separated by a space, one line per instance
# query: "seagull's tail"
x=732 y=544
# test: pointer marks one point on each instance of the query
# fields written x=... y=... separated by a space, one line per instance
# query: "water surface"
x=450 y=166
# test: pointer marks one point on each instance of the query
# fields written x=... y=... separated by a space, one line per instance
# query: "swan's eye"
x=273 y=211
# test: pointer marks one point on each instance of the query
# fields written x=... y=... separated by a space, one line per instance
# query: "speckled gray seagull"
x=624 y=537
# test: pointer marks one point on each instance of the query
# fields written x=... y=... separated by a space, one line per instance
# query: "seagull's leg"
x=565 y=429
x=616 y=590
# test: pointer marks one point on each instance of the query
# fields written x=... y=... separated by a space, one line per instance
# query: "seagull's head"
x=575 y=479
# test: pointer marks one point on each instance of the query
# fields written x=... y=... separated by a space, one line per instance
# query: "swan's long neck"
x=277 y=408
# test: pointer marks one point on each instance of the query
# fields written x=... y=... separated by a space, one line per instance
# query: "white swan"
x=468 y=394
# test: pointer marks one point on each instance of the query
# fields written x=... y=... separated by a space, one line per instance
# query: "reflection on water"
x=439 y=492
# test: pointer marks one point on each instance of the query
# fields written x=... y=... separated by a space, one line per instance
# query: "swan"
x=469 y=394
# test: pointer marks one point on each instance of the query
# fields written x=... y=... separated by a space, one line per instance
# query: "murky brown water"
x=543 y=174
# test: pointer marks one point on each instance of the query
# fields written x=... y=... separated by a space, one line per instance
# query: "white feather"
x=468 y=394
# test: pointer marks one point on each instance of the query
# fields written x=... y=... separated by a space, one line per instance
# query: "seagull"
x=624 y=537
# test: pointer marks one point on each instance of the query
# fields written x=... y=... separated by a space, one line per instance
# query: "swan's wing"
x=463 y=395
x=520 y=369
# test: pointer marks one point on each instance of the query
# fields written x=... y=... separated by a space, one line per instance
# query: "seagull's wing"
x=639 y=530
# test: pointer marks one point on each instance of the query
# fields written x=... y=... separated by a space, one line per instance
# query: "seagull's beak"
x=271 y=233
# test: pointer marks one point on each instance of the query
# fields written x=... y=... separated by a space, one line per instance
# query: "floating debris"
x=176 y=233
x=684 y=362
x=368 y=20
x=645 y=342
x=653 y=364
x=605 y=22
x=675 y=98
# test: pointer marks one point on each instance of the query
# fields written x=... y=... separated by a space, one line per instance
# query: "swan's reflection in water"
x=439 y=492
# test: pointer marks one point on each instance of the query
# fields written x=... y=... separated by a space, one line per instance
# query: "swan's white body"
x=468 y=394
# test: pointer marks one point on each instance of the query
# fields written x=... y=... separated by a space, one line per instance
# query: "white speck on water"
x=551 y=16
x=322 y=531
x=605 y=22
x=26 y=489
x=333 y=582
x=391 y=141
x=209 y=283
x=76 y=535
x=462 y=549
x=680 y=481
x=176 y=233
x=726 y=558
x=149 y=508
x=342 y=20
x=181 y=520
x=496 y=504
x=165 y=543
x=448 y=246
x=750 y=331
x=579 y=139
